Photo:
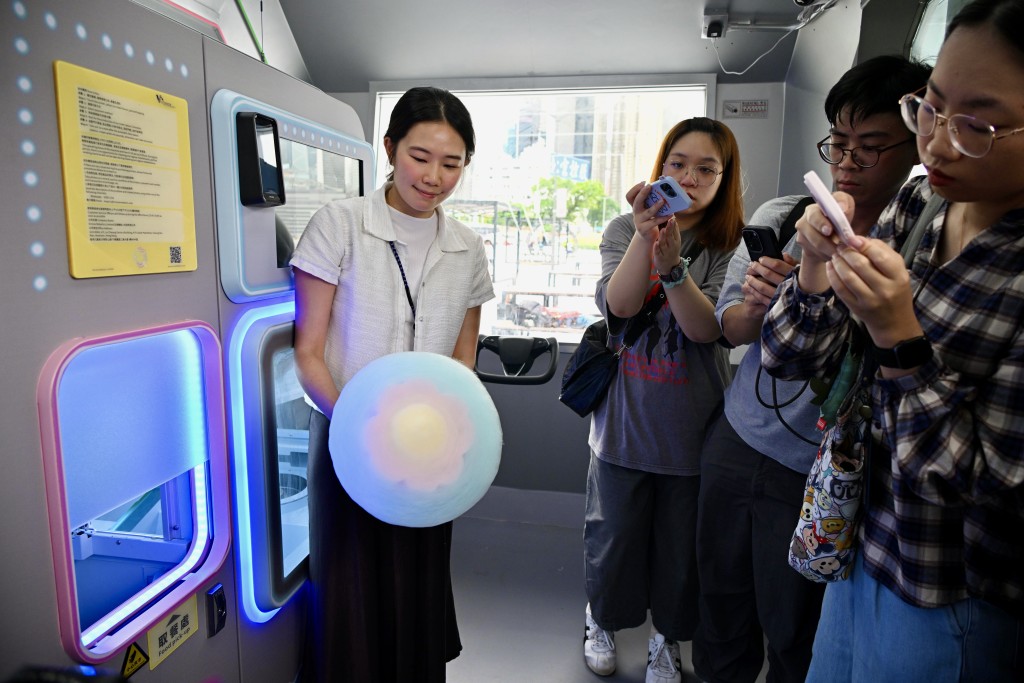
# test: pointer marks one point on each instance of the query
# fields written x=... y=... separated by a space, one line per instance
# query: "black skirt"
x=381 y=605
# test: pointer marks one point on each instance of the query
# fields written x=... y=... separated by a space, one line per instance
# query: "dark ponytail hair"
x=426 y=104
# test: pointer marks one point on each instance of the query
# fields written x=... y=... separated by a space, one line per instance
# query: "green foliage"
x=585 y=201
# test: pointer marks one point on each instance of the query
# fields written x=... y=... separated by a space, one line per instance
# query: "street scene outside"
x=544 y=275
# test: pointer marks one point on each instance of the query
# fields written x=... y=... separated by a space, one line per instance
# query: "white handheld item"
x=829 y=206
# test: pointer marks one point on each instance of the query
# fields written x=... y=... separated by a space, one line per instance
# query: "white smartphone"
x=829 y=206
x=667 y=188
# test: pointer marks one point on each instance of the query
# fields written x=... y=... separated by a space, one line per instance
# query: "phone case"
x=761 y=241
x=671 y=191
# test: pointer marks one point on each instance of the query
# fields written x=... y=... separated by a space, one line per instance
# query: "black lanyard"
x=408 y=292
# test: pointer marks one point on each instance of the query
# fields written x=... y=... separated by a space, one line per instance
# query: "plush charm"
x=415 y=439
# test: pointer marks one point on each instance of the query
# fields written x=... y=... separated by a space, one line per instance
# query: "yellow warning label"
x=173 y=630
x=134 y=659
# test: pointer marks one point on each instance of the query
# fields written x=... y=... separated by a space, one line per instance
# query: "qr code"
x=175 y=254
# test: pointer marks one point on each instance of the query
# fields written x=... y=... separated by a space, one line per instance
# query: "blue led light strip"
x=240 y=456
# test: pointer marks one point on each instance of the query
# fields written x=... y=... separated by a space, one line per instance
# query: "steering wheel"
x=517 y=355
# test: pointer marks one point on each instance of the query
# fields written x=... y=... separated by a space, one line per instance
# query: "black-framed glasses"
x=702 y=174
x=969 y=135
x=865 y=157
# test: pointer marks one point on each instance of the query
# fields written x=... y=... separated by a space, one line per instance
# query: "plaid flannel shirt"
x=944 y=507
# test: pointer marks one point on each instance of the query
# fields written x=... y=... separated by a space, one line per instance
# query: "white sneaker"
x=598 y=648
x=663 y=661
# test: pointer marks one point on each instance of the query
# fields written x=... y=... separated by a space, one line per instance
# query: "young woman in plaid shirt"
x=937 y=591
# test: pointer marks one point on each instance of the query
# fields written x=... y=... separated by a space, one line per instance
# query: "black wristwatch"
x=907 y=354
x=674 y=276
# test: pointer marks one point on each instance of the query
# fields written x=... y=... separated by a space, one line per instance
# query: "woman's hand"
x=665 y=251
x=661 y=233
x=874 y=284
x=645 y=220
x=649 y=246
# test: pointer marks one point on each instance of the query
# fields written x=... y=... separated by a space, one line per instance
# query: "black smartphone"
x=761 y=241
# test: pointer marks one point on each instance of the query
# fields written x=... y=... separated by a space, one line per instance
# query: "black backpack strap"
x=645 y=318
x=788 y=228
x=693 y=252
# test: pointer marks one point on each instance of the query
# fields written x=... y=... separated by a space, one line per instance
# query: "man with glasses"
x=759 y=451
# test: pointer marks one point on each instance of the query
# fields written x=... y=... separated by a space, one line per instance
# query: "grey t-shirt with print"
x=667 y=387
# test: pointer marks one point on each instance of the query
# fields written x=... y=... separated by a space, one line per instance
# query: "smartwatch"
x=907 y=354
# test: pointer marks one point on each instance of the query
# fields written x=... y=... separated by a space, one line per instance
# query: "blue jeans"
x=867 y=633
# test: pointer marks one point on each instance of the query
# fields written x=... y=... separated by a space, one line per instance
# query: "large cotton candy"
x=415 y=439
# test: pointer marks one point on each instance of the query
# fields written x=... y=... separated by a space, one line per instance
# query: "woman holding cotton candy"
x=378 y=275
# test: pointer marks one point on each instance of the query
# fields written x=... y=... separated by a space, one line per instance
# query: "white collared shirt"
x=346 y=244
x=415 y=235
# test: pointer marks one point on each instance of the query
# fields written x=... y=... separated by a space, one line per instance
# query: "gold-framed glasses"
x=969 y=135
x=701 y=174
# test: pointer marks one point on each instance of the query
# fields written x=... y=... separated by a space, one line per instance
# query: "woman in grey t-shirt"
x=646 y=436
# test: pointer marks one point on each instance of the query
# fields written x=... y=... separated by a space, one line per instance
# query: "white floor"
x=517 y=568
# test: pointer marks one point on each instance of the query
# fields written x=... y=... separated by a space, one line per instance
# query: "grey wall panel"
x=824 y=51
x=42 y=306
x=545 y=443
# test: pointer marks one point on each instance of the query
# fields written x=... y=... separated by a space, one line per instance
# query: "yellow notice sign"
x=134 y=659
x=127 y=176
x=172 y=631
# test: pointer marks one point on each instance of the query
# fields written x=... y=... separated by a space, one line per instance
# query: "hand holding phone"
x=829 y=206
x=761 y=241
x=675 y=196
